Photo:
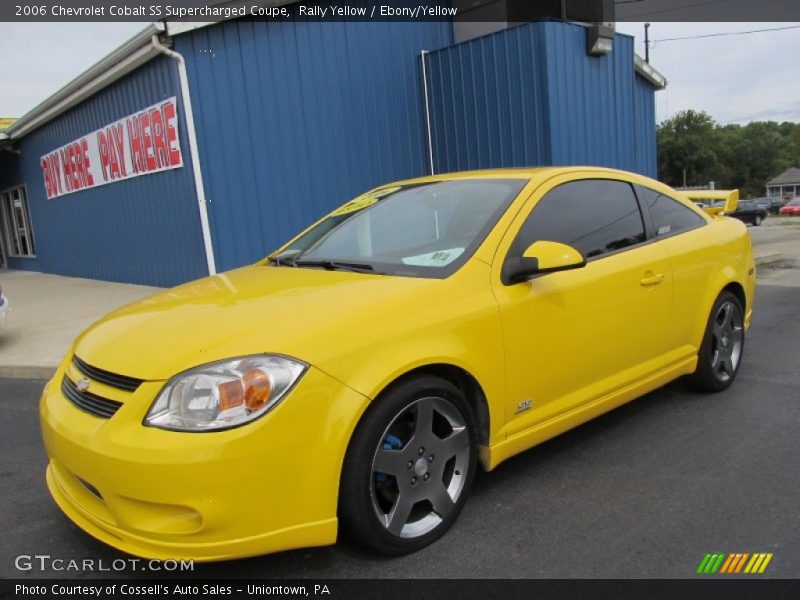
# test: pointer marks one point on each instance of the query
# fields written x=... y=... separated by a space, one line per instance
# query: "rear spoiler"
x=714 y=202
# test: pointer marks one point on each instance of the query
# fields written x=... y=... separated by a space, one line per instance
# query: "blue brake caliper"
x=390 y=442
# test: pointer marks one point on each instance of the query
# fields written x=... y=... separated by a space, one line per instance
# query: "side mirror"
x=539 y=258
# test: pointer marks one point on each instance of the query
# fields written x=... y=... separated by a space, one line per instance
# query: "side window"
x=596 y=216
x=670 y=216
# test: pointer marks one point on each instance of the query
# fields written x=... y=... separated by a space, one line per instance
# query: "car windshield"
x=426 y=230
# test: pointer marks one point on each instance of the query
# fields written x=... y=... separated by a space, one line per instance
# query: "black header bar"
x=400 y=589
x=510 y=11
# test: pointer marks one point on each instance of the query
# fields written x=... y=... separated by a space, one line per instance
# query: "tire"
x=720 y=354
x=427 y=472
x=757 y=220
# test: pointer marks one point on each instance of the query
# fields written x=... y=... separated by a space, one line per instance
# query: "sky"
x=735 y=78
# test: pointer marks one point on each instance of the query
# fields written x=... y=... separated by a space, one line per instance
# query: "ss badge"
x=524 y=405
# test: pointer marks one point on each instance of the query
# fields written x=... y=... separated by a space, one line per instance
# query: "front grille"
x=121 y=382
x=95 y=405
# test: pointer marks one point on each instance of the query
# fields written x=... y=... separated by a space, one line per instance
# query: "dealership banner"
x=140 y=144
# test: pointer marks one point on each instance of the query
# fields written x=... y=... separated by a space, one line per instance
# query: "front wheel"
x=720 y=353
x=757 y=220
x=409 y=466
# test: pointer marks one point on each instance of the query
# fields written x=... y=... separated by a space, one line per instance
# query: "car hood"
x=305 y=313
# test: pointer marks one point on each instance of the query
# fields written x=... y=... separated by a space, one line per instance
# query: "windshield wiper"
x=335 y=265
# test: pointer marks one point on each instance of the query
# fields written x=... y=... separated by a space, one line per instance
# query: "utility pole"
x=647 y=42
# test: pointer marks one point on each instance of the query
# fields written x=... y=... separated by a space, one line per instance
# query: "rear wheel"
x=409 y=466
x=723 y=344
x=757 y=220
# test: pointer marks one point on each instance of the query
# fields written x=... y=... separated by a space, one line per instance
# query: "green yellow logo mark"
x=735 y=562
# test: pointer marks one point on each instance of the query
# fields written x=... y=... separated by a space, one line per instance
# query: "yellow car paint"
x=206 y=496
x=553 y=255
x=575 y=343
x=729 y=197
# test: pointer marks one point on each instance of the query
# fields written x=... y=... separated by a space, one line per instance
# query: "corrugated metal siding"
x=141 y=230
x=531 y=95
x=645 y=127
x=488 y=101
x=591 y=100
x=295 y=118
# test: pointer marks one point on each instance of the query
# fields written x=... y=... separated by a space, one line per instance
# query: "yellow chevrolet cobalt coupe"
x=357 y=377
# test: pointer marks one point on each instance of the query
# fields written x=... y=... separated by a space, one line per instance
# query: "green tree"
x=794 y=136
x=733 y=156
x=758 y=153
x=686 y=152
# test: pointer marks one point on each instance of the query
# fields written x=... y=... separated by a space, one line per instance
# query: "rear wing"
x=714 y=202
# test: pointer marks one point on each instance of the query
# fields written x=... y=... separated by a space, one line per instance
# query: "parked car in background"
x=749 y=212
x=4 y=308
x=772 y=205
x=792 y=208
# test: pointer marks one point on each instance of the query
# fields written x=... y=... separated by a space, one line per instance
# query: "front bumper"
x=268 y=486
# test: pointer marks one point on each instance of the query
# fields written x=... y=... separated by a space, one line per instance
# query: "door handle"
x=651 y=278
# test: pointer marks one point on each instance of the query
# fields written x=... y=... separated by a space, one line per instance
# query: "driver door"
x=575 y=336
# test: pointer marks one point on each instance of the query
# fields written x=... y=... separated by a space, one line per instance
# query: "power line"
x=710 y=35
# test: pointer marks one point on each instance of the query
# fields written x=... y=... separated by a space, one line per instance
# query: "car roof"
x=520 y=173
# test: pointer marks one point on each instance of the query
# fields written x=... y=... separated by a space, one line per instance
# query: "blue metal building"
x=531 y=96
x=277 y=123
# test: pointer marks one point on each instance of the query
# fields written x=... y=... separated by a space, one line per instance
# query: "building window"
x=16 y=218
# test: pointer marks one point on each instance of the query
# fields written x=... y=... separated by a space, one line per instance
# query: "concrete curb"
x=766 y=259
x=26 y=372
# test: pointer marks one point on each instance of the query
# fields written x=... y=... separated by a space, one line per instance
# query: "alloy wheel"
x=726 y=341
x=419 y=467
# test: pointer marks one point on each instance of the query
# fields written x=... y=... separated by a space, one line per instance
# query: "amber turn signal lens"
x=231 y=394
x=257 y=388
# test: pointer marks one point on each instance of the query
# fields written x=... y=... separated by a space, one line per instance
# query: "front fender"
x=464 y=332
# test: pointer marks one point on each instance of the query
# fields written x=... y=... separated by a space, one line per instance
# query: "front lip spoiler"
x=316 y=533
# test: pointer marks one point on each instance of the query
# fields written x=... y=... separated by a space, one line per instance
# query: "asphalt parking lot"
x=644 y=491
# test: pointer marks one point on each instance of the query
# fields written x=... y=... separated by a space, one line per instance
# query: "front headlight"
x=224 y=394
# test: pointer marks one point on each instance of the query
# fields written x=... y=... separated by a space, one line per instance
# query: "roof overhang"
x=646 y=70
x=790 y=176
x=130 y=55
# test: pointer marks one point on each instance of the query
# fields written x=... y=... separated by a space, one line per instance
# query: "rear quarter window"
x=669 y=215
